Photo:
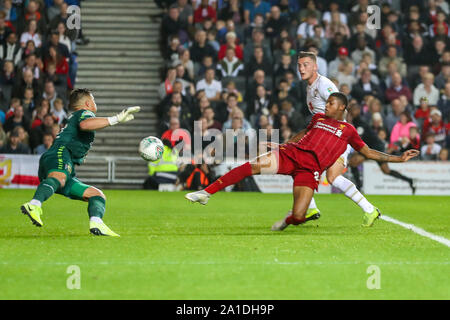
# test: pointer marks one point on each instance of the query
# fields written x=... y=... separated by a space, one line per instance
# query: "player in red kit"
x=304 y=158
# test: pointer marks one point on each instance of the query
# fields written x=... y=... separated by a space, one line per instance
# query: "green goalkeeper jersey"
x=77 y=141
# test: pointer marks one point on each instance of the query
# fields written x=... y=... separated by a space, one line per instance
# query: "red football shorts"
x=299 y=164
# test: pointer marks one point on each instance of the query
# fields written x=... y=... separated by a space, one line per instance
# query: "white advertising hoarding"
x=433 y=178
x=19 y=171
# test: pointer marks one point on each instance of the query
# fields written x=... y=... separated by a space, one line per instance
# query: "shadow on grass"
x=48 y=236
x=311 y=230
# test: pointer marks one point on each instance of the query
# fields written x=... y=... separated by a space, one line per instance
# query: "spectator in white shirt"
x=333 y=67
x=426 y=89
x=306 y=29
x=212 y=87
x=345 y=74
x=58 y=110
x=31 y=34
x=63 y=38
x=430 y=150
x=334 y=7
x=361 y=48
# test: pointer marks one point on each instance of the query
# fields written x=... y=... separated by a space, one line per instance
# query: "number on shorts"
x=316 y=175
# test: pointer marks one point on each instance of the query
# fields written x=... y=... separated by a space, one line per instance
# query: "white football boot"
x=201 y=197
x=281 y=225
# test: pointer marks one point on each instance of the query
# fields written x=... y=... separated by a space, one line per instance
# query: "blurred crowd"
x=37 y=71
x=232 y=65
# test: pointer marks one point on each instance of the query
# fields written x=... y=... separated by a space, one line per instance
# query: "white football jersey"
x=318 y=92
x=316 y=98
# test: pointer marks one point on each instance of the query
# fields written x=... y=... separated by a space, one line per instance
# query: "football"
x=151 y=148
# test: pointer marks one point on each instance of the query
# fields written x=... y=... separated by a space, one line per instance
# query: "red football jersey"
x=327 y=138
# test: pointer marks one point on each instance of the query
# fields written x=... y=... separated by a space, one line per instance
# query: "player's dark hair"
x=341 y=97
x=307 y=54
x=76 y=95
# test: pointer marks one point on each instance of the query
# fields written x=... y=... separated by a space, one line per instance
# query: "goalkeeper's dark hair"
x=342 y=97
x=76 y=95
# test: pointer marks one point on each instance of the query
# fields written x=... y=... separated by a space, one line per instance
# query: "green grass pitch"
x=172 y=249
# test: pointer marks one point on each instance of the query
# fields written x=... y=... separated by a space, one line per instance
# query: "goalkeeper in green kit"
x=56 y=165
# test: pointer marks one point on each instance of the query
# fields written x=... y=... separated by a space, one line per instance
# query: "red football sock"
x=232 y=177
x=293 y=220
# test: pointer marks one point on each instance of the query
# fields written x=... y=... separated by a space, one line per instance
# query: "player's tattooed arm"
x=273 y=145
x=384 y=157
x=298 y=136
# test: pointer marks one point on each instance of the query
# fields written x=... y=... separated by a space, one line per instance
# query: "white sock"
x=312 y=204
x=96 y=219
x=351 y=192
x=35 y=202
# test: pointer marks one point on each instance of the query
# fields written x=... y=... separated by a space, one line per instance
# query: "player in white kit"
x=318 y=90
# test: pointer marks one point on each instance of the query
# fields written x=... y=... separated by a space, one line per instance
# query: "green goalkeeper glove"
x=124 y=116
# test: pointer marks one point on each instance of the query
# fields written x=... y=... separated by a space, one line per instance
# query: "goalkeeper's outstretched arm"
x=384 y=157
x=93 y=124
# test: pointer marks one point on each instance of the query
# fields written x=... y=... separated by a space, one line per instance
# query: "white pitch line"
x=418 y=230
x=244 y=263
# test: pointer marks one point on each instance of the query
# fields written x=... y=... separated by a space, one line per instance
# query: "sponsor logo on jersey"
x=68 y=168
x=87 y=113
x=330 y=90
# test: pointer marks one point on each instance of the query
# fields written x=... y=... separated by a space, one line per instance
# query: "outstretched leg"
x=302 y=199
x=264 y=164
x=386 y=170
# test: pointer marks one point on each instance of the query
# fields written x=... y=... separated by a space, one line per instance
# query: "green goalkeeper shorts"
x=61 y=161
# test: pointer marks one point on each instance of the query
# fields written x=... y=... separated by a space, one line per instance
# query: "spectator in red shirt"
x=423 y=112
x=436 y=126
x=60 y=62
x=397 y=89
x=40 y=114
x=231 y=43
x=414 y=139
x=32 y=11
x=62 y=67
x=175 y=134
x=203 y=12
x=439 y=23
